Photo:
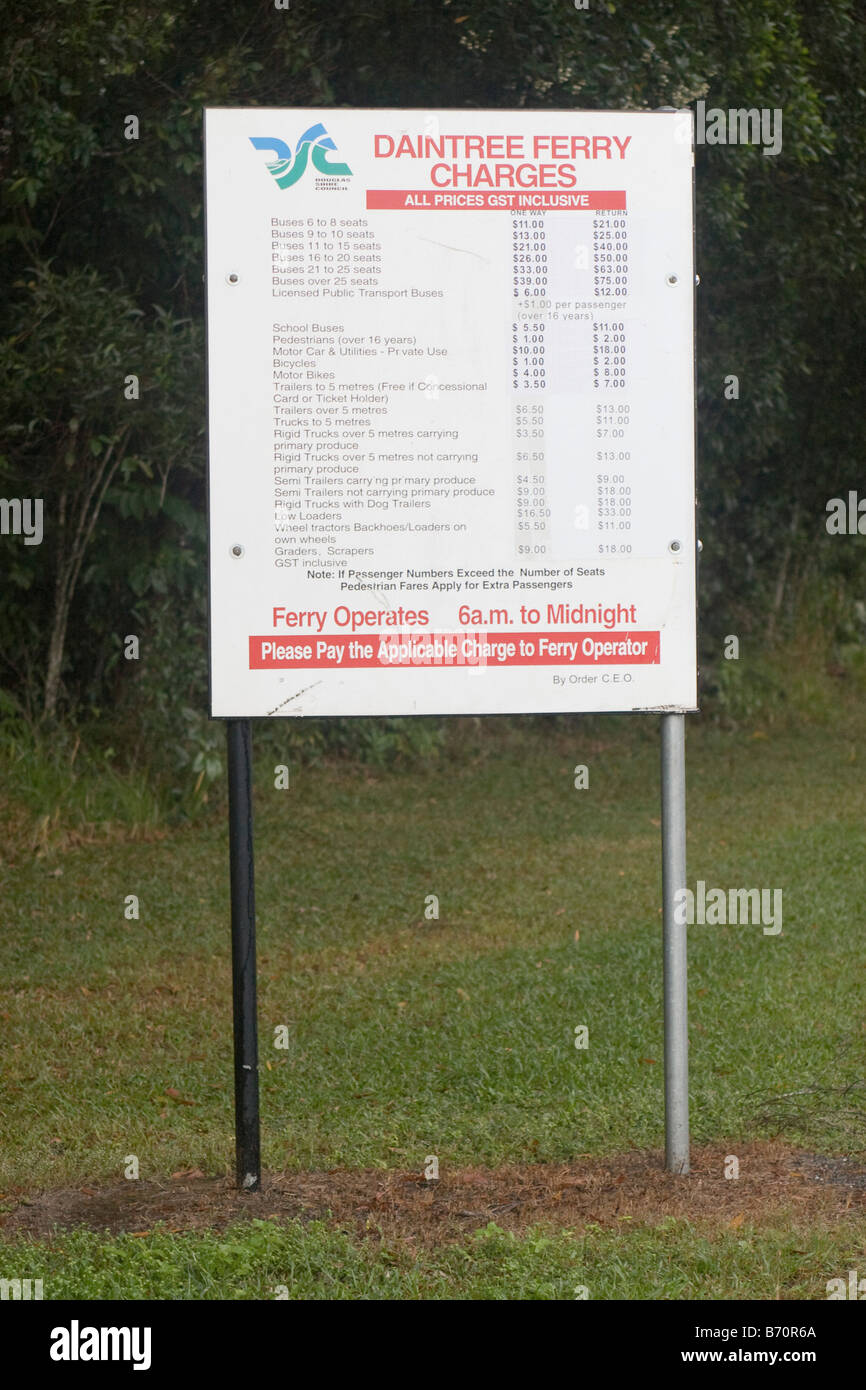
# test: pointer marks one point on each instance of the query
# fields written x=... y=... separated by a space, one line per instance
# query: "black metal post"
x=239 y=744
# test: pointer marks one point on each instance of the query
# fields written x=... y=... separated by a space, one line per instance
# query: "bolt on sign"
x=451 y=411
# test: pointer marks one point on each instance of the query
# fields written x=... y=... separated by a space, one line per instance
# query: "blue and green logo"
x=287 y=168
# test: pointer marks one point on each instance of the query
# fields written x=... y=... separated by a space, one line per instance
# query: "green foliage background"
x=101 y=239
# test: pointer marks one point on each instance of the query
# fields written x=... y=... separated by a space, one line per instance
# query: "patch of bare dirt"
x=776 y=1185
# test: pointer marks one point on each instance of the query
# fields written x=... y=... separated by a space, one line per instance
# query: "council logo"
x=287 y=168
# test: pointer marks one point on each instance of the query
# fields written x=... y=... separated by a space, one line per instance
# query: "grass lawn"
x=260 y=1260
x=409 y=1037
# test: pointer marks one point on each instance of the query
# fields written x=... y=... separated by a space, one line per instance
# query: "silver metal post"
x=675 y=958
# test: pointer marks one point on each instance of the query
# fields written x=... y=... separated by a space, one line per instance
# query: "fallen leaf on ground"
x=176 y=1095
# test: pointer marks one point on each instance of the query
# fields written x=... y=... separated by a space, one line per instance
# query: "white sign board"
x=451 y=401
